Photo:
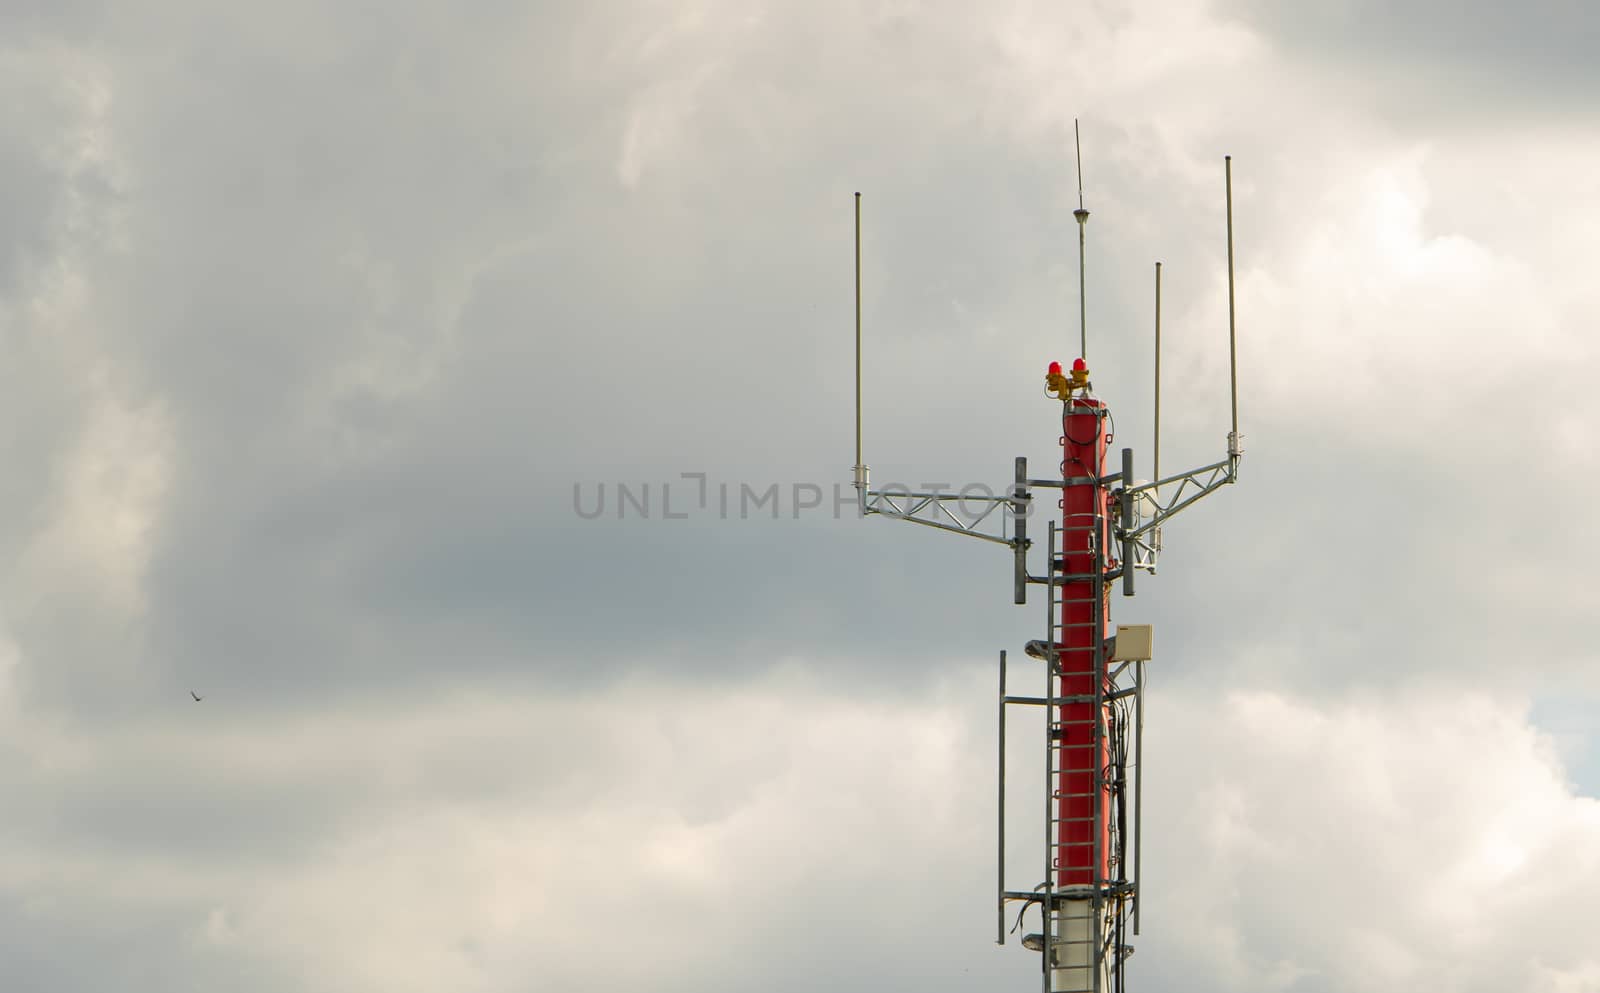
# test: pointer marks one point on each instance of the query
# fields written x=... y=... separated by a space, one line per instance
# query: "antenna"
x=860 y=467
x=1233 y=365
x=1077 y=145
x=1155 y=473
x=1083 y=219
x=1156 y=468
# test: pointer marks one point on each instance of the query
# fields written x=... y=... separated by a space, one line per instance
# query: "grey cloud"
x=540 y=369
x=1474 y=65
x=387 y=288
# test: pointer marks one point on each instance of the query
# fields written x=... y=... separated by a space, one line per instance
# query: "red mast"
x=1082 y=835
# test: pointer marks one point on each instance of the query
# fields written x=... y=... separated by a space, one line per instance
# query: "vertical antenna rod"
x=1156 y=468
x=860 y=469
x=1083 y=218
x=1138 y=789
x=1000 y=808
x=1233 y=366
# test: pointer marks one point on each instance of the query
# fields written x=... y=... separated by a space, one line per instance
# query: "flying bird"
x=197 y=697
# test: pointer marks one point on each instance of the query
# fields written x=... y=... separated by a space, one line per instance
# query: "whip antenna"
x=1082 y=216
x=1233 y=364
x=860 y=466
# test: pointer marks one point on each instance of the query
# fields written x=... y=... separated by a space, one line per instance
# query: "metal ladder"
x=1072 y=930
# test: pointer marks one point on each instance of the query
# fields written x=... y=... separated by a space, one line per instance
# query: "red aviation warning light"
x=1054 y=383
x=1107 y=528
x=1059 y=386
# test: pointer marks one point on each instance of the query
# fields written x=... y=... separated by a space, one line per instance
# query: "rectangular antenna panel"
x=1133 y=643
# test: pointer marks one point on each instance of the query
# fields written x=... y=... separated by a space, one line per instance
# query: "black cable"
x=1024 y=910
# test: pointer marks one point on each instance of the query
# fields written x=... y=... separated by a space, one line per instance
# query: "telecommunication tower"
x=1107 y=529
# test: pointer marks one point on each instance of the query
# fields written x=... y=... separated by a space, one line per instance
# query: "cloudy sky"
x=315 y=320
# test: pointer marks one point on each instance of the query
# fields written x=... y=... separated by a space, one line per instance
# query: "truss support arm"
x=1186 y=488
x=971 y=514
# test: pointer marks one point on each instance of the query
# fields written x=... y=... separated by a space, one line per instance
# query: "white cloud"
x=1422 y=838
x=646 y=835
x=108 y=501
x=483 y=843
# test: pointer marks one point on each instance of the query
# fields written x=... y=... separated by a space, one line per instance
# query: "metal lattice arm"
x=1186 y=488
x=973 y=515
x=1148 y=506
